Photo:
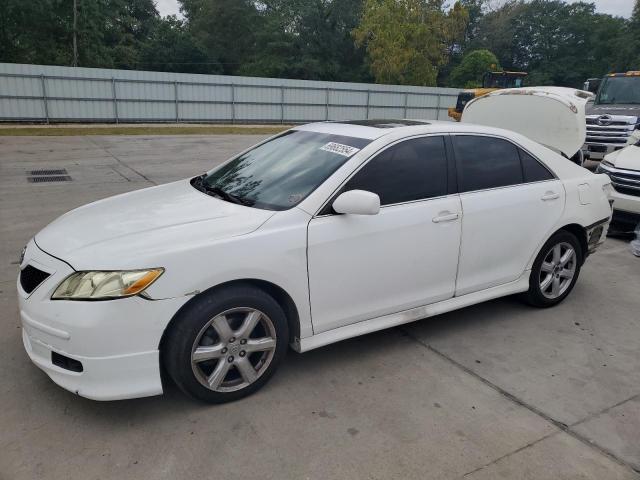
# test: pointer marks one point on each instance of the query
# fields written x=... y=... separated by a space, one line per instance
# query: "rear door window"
x=486 y=162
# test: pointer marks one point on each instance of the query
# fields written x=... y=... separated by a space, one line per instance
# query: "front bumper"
x=116 y=341
x=622 y=202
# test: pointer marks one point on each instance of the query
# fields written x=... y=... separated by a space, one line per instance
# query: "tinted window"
x=532 y=169
x=411 y=170
x=486 y=162
x=280 y=173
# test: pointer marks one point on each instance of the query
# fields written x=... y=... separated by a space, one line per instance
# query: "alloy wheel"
x=233 y=349
x=558 y=270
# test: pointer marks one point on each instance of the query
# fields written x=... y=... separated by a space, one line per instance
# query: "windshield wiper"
x=224 y=195
x=199 y=183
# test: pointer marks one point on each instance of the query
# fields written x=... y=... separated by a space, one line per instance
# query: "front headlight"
x=103 y=285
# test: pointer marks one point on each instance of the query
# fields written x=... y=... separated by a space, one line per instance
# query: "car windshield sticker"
x=340 y=149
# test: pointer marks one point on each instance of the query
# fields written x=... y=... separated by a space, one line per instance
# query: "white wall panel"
x=90 y=94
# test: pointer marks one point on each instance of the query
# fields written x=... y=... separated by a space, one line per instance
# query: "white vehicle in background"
x=319 y=234
x=623 y=167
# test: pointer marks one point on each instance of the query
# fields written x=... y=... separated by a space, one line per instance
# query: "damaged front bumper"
x=103 y=350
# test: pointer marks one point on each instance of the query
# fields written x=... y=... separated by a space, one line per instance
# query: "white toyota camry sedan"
x=321 y=233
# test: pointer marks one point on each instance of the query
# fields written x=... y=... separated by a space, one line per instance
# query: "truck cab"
x=613 y=115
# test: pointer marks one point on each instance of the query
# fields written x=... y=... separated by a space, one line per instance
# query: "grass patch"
x=146 y=130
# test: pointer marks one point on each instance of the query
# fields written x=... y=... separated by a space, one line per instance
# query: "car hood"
x=136 y=229
x=628 y=158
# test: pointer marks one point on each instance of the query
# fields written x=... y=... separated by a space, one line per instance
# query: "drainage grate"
x=42 y=179
x=49 y=171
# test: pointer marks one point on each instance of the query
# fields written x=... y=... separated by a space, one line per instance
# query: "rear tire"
x=555 y=270
x=226 y=343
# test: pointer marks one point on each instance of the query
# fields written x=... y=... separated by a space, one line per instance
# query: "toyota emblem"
x=604 y=120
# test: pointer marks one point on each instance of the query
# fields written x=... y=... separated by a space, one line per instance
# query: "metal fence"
x=37 y=93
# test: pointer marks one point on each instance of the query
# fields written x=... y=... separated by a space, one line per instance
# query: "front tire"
x=226 y=343
x=555 y=270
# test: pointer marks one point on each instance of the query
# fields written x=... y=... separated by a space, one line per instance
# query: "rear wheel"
x=555 y=270
x=226 y=343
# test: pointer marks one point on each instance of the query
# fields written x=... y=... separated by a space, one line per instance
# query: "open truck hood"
x=552 y=116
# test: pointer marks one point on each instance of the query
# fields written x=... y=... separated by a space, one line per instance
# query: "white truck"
x=613 y=116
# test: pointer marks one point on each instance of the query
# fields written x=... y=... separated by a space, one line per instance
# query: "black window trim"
x=500 y=137
x=452 y=188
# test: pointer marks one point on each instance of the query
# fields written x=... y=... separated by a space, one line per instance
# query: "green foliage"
x=468 y=74
x=109 y=32
x=308 y=39
x=420 y=42
x=406 y=40
x=556 y=42
x=225 y=28
x=171 y=48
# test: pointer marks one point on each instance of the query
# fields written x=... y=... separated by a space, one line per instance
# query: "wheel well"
x=279 y=295
x=581 y=234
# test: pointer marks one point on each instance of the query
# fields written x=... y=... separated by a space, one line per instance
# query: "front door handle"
x=550 y=196
x=445 y=217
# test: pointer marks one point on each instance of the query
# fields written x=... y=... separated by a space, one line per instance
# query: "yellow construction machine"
x=490 y=81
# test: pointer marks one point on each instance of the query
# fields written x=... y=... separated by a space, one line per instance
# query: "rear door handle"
x=448 y=217
x=550 y=196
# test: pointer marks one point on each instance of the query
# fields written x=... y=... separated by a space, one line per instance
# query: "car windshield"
x=281 y=172
x=619 y=90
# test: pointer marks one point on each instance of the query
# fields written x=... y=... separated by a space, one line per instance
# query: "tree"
x=557 y=43
x=496 y=31
x=308 y=39
x=406 y=40
x=172 y=48
x=474 y=9
x=49 y=43
x=226 y=29
x=110 y=33
x=468 y=74
x=630 y=57
x=126 y=25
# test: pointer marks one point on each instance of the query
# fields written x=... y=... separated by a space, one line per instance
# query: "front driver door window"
x=361 y=267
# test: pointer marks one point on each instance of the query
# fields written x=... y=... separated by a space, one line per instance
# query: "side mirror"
x=357 y=202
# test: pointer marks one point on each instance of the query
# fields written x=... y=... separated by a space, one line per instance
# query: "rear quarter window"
x=532 y=169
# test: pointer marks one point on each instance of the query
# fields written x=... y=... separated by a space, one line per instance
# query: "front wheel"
x=555 y=270
x=226 y=343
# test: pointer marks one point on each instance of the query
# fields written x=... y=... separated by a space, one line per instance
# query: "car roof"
x=373 y=129
x=369 y=129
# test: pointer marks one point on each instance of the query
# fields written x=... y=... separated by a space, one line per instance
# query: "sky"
x=621 y=8
x=168 y=7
